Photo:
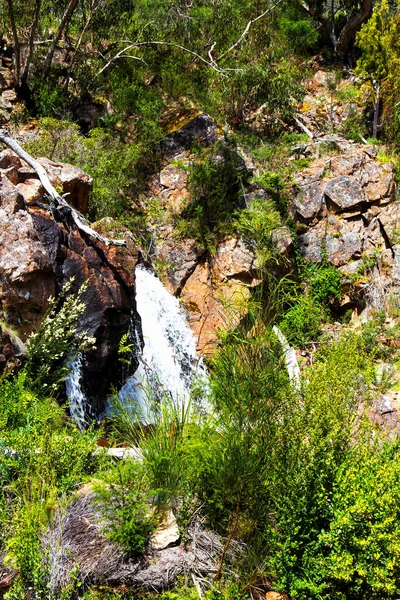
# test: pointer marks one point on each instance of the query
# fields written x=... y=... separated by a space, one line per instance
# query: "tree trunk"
x=17 y=48
x=25 y=74
x=341 y=44
x=353 y=25
x=58 y=205
x=64 y=22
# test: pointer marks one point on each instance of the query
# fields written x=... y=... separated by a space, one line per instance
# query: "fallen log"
x=59 y=207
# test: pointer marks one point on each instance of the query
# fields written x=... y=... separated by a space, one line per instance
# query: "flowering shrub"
x=56 y=339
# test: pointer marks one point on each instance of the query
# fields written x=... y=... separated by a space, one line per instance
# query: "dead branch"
x=246 y=31
x=304 y=128
x=131 y=45
x=57 y=203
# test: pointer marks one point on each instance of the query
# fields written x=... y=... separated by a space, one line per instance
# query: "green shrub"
x=363 y=537
x=255 y=223
x=124 y=496
x=302 y=323
x=324 y=284
x=216 y=188
x=55 y=341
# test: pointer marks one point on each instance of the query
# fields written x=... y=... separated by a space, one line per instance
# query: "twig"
x=131 y=45
x=197 y=585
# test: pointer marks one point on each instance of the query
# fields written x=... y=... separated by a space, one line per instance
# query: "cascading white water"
x=169 y=363
x=74 y=391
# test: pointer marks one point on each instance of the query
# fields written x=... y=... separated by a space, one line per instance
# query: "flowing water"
x=74 y=391
x=169 y=365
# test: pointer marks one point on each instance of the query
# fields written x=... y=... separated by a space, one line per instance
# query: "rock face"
x=206 y=284
x=344 y=204
x=39 y=255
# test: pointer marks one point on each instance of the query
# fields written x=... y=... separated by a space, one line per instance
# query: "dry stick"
x=138 y=44
x=197 y=585
x=304 y=128
x=56 y=201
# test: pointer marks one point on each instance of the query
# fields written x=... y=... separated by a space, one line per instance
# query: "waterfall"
x=169 y=363
x=74 y=391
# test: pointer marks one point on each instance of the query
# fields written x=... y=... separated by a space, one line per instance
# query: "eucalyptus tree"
x=341 y=19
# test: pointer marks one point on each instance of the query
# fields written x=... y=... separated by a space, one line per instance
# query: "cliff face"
x=39 y=255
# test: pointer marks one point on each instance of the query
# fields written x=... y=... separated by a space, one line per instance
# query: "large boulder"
x=39 y=255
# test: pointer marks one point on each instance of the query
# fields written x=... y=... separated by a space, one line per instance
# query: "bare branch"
x=304 y=128
x=247 y=29
x=131 y=45
x=57 y=203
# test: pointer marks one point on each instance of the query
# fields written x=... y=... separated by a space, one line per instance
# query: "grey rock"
x=344 y=192
x=308 y=202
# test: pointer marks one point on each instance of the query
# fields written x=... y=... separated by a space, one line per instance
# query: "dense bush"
x=124 y=495
x=216 y=188
x=302 y=323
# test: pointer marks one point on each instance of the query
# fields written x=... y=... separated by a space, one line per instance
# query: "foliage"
x=124 y=497
x=255 y=224
x=302 y=322
x=168 y=445
x=101 y=154
x=42 y=458
x=378 y=64
x=216 y=187
x=323 y=283
x=56 y=339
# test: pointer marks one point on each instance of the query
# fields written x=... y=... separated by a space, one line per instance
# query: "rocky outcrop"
x=208 y=286
x=347 y=214
x=39 y=255
x=72 y=182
